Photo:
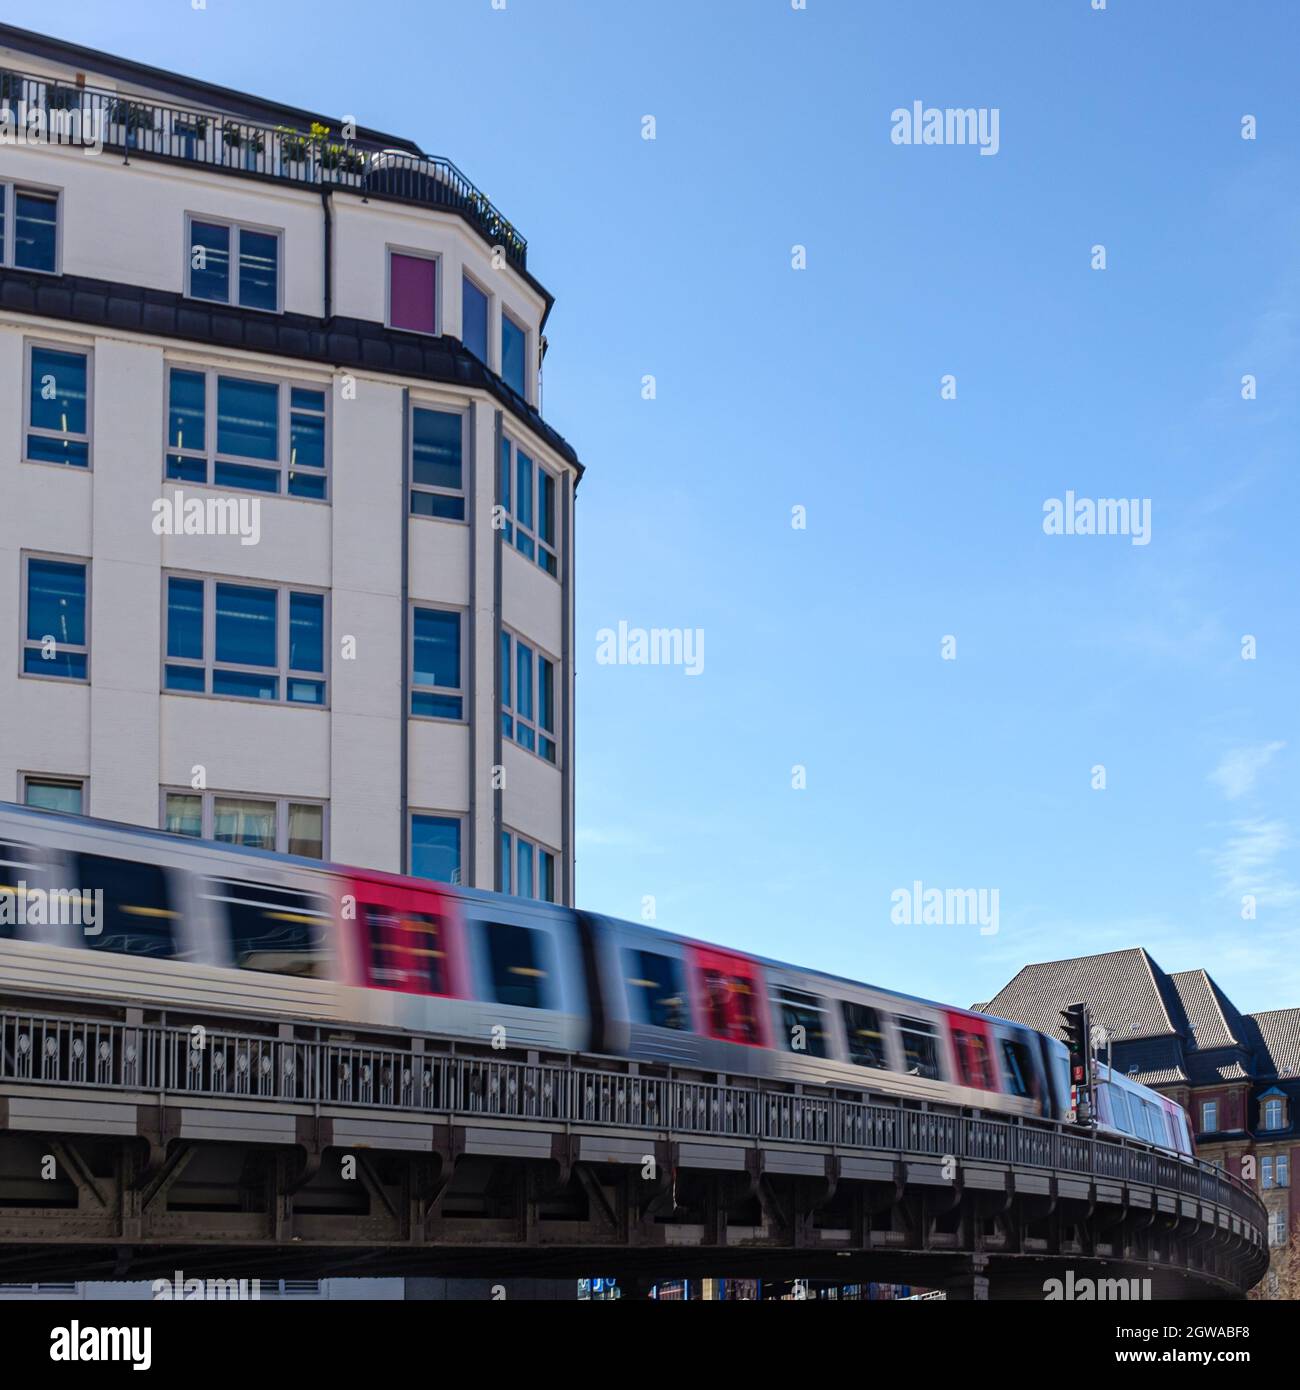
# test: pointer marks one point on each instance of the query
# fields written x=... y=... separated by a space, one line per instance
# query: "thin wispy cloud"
x=1238 y=770
x=1248 y=862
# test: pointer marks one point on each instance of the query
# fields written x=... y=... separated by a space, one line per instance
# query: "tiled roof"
x=1152 y=1061
x=1211 y=1014
x=1276 y=1042
x=1127 y=992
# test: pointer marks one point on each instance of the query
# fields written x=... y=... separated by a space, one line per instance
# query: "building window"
x=280 y=824
x=29 y=228
x=437 y=464
x=66 y=794
x=474 y=319
x=231 y=264
x=233 y=431
x=526 y=870
x=1209 y=1117
x=58 y=406
x=250 y=642
x=1273 y=1114
x=1282 y=1169
x=437 y=664
x=1266 y=1172
x=1277 y=1228
x=527 y=680
x=514 y=354
x=529 y=495
x=435 y=848
x=55 y=626
x=413 y=292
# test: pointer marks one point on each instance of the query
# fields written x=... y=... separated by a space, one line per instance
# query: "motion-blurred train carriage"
x=192 y=925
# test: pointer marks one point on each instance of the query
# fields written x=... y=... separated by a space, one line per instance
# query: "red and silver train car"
x=192 y=925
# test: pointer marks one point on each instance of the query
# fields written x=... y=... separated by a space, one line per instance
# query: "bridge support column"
x=968 y=1282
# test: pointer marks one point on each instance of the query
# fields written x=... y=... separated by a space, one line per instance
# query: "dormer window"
x=1272 y=1111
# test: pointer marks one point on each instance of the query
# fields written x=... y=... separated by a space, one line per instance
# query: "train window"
x=803 y=1022
x=280 y=930
x=138 y=916
x=19 y=873
x=729 y=997
x=656 y=989
x=514 y=957
x=866 y=1037
x=973 y=1059
x=1018 y=1063
x=1119 y=1104
x=406 y=950
x=920 y=1047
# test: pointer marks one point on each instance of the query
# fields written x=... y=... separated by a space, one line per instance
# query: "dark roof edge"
x=189 y=88
x=358 y=344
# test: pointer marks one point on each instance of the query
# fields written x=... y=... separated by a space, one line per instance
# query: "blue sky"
x=820 y=388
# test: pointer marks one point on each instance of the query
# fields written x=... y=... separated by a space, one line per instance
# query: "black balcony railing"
x=314 y=158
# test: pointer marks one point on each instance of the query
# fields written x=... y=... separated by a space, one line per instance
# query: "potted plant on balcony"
x=295 y=149
x=129 y=118
x=238 y=140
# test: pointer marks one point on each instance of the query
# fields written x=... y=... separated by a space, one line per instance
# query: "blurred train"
x=192 y=925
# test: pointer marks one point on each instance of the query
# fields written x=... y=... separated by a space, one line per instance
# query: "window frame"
x=509 y=842
x=1265 y=1109
x=460 y=818
x=508 y=709
x=1209 y=1108
x=236 y=241
x=489 y=297
x=460 y=692
x=208 y=798
x=24 y=643
x=208 y=664
x=438 y=408
x=11 y=188
x=82 y=784
x=507 y=316
x=211 y=456
x=508 y=485
x=413 y=253
x=30 y=347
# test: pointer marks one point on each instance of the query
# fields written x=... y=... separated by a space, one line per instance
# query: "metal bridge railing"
x=60 y=1051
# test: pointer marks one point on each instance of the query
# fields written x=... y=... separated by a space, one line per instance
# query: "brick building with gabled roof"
x=1237 y=1075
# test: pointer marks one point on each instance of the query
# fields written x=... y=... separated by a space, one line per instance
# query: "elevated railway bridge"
x=135 y=1142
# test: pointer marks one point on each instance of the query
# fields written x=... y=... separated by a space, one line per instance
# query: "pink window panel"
x=413 y=292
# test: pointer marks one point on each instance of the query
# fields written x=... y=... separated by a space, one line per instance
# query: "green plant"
x=192 y=125
x=62 y=98
x=293 y=145
x=340 y=157
x=133 y=115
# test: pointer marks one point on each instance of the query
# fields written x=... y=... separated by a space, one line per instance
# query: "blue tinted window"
x=35 y=230
x=437 y=648
x=435 y=848
x=210 y=262
x=247 y=685
x=187 y=414
x=307 y=632
x=514 y=343
x=185 y=618
x=248 y=419
x=246 y=625
x=523 y=681
x=56 y=602
x=524 y=861
x=4 y=212
x=259 y=270
x=503 y=868
x=436 y=449
x=504 y=667
x=545 y=694
x=474 y=313
x=58 y=391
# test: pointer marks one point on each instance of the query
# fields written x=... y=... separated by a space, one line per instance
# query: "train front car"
x=93 y=909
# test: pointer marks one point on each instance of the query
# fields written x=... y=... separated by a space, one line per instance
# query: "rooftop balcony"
x=314 y=158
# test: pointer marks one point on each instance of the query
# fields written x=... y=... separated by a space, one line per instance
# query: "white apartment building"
x=286 y=547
